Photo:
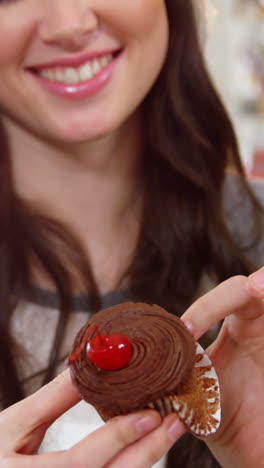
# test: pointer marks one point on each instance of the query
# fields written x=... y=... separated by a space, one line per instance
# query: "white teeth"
x=45 y=74
x=48 y=74
x=59 y=75
x=51 y=74
x=96 y=66
x=70 y=75
x=105 y=60
x=86 y=72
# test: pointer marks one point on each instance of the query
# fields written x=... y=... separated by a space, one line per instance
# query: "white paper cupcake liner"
x=197 y=402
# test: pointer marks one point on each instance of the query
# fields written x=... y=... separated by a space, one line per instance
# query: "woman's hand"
x=238 y=357
x=135 y=441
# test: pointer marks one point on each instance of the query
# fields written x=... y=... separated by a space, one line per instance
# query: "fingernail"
x=189 y=326
x=175 y=429
x=257 y=279
x=147 y=424
x=61 y=376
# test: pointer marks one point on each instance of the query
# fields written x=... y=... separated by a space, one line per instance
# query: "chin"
x=80 y=134
x=83 y=130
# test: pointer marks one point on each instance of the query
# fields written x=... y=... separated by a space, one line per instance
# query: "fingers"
x=41 y=408
x=135 y=441
x=256 y=283
x=55 y=398
x=149 y=450
x=45 y=460
x=105 y=443
x=237 y=295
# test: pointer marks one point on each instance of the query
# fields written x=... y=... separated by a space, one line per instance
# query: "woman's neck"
x=92 y=188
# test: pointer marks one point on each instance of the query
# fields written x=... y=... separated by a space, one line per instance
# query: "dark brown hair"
x=189 y=143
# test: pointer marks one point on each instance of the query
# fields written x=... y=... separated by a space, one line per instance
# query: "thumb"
x=44 y=406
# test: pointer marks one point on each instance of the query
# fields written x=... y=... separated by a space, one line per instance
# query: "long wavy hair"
x=189 y=143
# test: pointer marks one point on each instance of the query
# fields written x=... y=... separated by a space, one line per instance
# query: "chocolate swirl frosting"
x=162 y=358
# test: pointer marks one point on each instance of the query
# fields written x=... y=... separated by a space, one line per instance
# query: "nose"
x=67 y=23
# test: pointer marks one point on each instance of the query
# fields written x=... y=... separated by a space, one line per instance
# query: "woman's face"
x=75 y=70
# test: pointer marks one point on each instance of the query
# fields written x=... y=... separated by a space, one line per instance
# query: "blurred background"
x=234 y=51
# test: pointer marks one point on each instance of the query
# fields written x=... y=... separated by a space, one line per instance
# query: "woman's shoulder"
x=235 y=198
x=241 y=216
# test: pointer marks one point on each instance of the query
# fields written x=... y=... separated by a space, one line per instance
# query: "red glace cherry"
x=108 y=352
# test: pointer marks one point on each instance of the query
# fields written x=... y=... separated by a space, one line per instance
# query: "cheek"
x=143 y=28
x=10 y=52
x=144 y=15
x=149 y=34
x=137 y=20
x=19 y=34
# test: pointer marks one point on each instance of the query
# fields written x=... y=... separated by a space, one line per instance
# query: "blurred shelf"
x=235 y=56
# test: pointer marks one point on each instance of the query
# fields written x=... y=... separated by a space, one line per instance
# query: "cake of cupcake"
x=135 y=355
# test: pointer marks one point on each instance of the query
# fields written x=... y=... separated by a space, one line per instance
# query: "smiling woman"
x=47 y=52
x=72 y=79
x=113 y=186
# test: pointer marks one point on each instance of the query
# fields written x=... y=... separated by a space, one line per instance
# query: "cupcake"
x=135 y=355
